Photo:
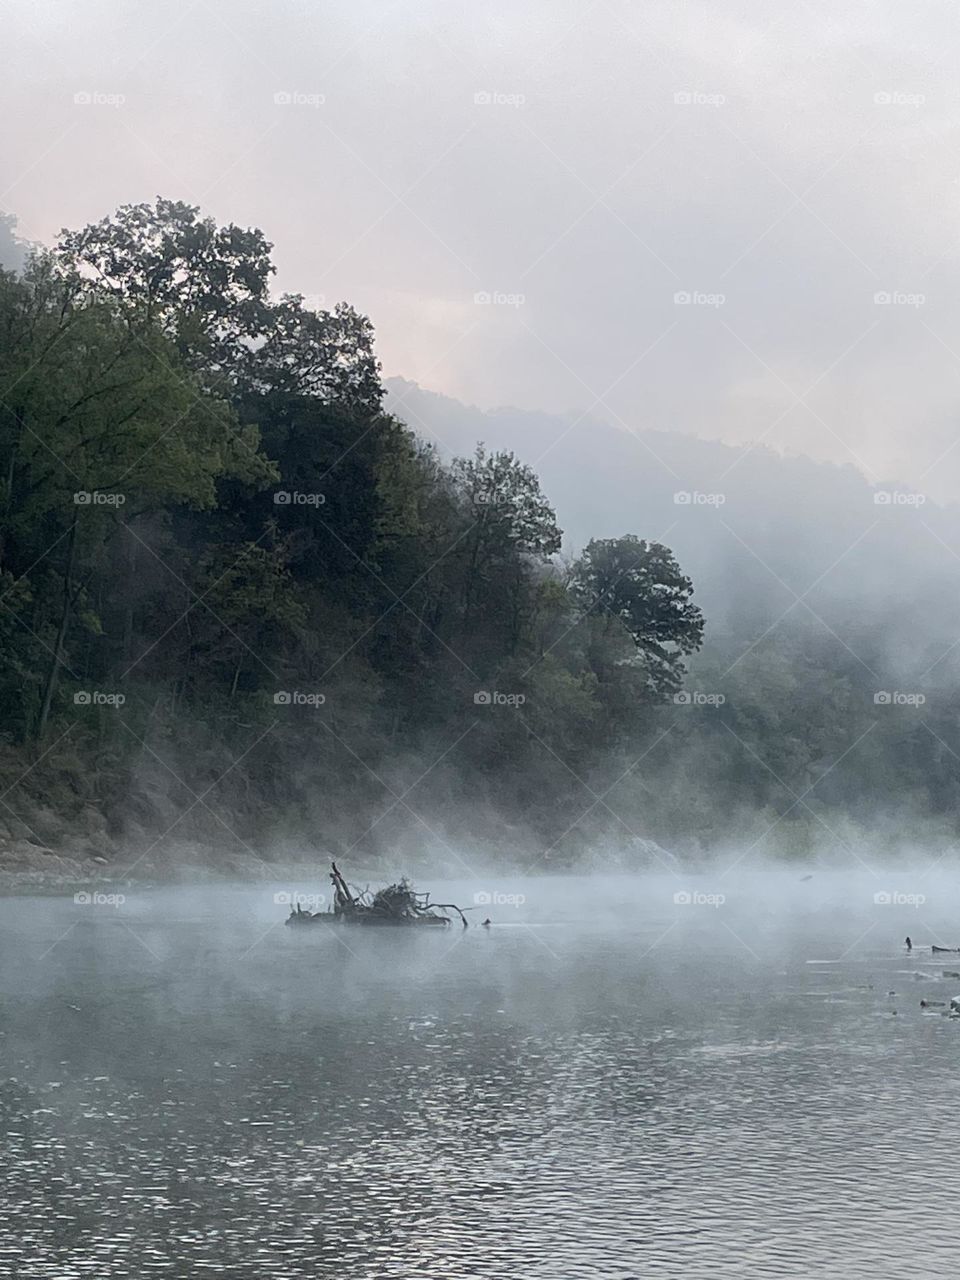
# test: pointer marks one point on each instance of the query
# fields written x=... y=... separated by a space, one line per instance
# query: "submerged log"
x=394 y=905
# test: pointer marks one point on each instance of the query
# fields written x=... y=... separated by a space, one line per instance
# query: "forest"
x=241 y=603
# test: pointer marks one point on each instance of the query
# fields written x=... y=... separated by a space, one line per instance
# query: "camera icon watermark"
x=494 y=898
x=694 y=898
x=896 y=698
x=97 y=698
x=294 y=698
x=898 y=498
x=887 y=898
x=898 y=98
x=94 y=498
x=294 y=498
x=95 y=98
x=694 y=498
x=695 y=298
x=498 y=298
x=495 y=98
x=93 y=898
x=488 y=698
x=695 y=98
x=294 y=98
x=897 y=298
x=301 y=901
x=697 y=698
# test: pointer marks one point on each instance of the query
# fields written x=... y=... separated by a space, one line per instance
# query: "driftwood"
x=908 y=943
x=394 y=905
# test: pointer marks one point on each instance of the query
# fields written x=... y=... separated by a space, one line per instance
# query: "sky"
x=736 y=219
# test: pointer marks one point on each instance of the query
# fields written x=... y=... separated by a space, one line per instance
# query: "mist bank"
x=821 y=710
x=753 y=526
x=249 y=610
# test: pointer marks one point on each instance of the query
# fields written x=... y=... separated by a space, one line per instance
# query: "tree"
x=250 y=613
x=99 y=424
x=510 y=524
x=508 y=508
x=205 y=287
x=324 y=355
x=636 y=590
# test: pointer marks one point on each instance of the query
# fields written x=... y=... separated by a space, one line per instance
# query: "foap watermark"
x=497 y=298
x=696 y=898
x=94 y=498
x=696 y=98
x=488 y=698
x=898 y=98
x=898 y=498
x=497 y=98
x=894 y=898
x=301 y=901
x=97 y=698
x=696 y=698
x=693 y=498
x=494 y=898
x=695 y=298
x=295 y=498
x=895 y=698
x=898 y=298
x=96 y=98
x=94 y=898
x=294 y=698
x=295 y=98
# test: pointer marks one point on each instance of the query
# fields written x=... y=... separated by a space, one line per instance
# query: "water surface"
x=607 y=1083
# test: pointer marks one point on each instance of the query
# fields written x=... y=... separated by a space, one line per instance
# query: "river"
x=676 y=1076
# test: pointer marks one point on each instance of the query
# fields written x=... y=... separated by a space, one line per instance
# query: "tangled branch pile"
x=396 y=904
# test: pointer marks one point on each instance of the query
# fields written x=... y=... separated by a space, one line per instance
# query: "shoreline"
x=31 y=869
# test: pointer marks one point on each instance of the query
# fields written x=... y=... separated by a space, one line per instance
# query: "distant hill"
x=881 y=574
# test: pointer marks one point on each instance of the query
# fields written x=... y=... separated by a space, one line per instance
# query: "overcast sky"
x=582 y=164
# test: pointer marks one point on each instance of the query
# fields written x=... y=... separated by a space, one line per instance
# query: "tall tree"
x=99 y=423
x=207 y=288
x=511 y=523
x=204 y=286
x=636 y=590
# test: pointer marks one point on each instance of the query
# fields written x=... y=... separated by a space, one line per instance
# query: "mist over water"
x=623 y=1076
x=508 y=452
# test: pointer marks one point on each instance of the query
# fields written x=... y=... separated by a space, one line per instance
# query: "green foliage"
x=202 y=504
x=204 y=286
x=637 y=588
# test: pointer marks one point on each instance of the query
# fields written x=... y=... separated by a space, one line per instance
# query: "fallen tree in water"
x=395 y=904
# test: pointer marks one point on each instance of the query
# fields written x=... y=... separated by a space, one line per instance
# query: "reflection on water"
x=660 y=1089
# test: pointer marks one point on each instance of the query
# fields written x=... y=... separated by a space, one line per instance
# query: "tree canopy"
x=204 y=509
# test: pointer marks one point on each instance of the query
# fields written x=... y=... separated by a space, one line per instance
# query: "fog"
x=593 y=160
x=757 y=529
x=192 y=1088
x=704 y=251
x=479 y=639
